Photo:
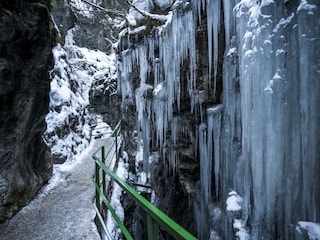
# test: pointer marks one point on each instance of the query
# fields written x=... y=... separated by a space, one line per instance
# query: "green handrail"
x=113 y=213
x=101 y=183
x=155 y=217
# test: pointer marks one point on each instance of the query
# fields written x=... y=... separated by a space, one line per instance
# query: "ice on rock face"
x=278 y=147
x=312 y=228
x=209 y=149
x=264 y=146
x=177 y=43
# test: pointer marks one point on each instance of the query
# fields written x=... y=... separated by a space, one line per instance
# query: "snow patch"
x=232 y=51
x=305 y=6
x=280 y=51
x=276 y=77
x=241 y=232
x=82 y=8
x=312 y=228
x=234 y=201
x=283 y=22
x=163 y=4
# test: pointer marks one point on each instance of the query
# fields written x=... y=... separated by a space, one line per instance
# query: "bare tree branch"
x=109 y=11
x=158 y=17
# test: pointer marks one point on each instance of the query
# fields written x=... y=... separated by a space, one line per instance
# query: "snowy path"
x=63 y=208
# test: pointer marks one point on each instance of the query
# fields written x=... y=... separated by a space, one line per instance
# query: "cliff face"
x=25 y=59
x=95 y=22
x=224 y=95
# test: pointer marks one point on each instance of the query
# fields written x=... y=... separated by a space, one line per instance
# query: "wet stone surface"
x=64 y=212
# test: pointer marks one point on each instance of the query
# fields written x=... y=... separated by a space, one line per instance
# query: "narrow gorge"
x=218 y=101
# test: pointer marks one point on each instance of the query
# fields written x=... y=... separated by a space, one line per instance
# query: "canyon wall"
x=25 y=59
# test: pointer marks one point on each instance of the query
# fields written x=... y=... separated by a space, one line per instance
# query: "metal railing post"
x=98 y=202
x=152 y=228
x=103 y=209
x=116 y=144
x=103 y=158
x=156 y=219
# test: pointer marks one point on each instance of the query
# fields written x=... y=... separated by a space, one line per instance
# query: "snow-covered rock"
x=68 y=122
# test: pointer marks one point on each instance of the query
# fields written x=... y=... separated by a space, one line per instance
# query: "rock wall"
x=96 y=24
x=25 y=59
x=226 y=92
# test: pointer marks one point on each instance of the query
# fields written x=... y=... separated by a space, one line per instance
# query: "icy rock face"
x=165 y=100
x=279 y=85
x=103 y=95
x=228 y=91
x=25 y=58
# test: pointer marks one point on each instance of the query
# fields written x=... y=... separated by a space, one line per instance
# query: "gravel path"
x=63 y=208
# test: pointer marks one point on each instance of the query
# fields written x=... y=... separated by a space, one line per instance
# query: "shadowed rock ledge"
x=25 y=59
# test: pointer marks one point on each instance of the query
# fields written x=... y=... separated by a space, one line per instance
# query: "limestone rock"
x=25 y=50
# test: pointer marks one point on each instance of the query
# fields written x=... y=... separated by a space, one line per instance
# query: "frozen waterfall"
x=256 y=138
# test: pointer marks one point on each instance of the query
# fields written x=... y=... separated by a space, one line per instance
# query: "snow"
x=312 y=228
x=158 y=89
x=234 y=204
x=101 y=129
x=137 y=30
x=82 y=8
x=143 y=5
x=232 y=51
x=248 y=53
x=241 y=232
x=251 y=8
x=75 y=70
x=283 y=22
x=163 y=4
x=275 y=78
x=280 y=51
x=305 y=6
x=233 y=201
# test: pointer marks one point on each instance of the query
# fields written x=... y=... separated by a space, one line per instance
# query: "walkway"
x=63 y=210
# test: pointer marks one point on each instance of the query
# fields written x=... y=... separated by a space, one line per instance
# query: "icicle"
x=228 y=20
x=213 y=24
x=176 y=45
x=205 y=180
x=209 y=149
x=209 y=26
x=214 y=125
